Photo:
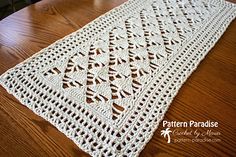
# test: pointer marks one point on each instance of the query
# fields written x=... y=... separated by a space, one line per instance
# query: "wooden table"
x=209 y=94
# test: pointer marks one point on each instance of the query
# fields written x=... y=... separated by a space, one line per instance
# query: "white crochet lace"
x=108 y=85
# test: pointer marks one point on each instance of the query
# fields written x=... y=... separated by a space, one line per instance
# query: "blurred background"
x=7 y=7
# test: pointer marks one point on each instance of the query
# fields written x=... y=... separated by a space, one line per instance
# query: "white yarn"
x=108 y=85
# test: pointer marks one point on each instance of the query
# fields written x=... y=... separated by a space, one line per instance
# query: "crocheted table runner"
x=108 y=85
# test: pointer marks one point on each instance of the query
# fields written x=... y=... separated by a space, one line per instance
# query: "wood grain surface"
x=209 y=94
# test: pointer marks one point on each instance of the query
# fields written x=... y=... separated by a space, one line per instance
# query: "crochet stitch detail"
x=108 y=85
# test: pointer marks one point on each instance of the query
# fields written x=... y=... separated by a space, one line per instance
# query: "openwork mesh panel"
x=108 y=85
